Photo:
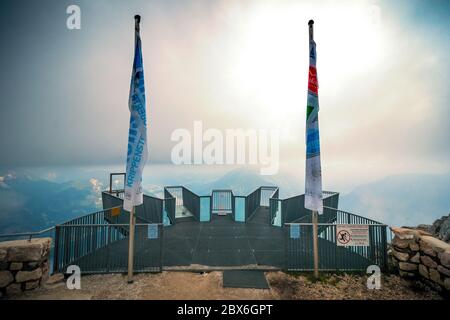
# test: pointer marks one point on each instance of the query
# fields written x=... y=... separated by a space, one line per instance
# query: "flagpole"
x=314 y=212
x=315 y=244
x=137 y=19
x=131 y=246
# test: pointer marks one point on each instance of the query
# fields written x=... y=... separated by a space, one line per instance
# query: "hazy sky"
x=382 y=65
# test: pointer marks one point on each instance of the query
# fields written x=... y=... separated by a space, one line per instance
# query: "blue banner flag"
x=313 y=179
x=137 y=136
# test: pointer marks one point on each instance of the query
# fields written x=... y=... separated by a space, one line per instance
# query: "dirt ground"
x=208 y=286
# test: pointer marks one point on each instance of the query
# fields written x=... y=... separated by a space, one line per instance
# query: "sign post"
x=131 y=246
x=315 y=244
x=313 y=176
x=137 y=144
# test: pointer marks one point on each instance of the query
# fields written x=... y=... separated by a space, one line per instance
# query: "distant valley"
x=33 y=202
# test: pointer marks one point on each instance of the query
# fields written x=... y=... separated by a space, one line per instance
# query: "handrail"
x=22 y=234
x=333 y=224
x=355 y=215
x=106 y=225
x=89 y=214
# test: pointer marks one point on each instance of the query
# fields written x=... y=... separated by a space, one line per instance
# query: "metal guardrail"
x=97 y=248
x=292 y=209
x=29 y=235
x=99 y=245
x=98 y=242
x=299 y=251
x=222 y=201
x=184 y=198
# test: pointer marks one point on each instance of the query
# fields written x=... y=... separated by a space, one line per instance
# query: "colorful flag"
x=313 y=181
x=137 y=135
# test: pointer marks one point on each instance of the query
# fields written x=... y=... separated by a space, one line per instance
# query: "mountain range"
x=32 y=202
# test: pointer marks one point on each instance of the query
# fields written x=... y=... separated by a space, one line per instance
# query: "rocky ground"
x=204 y=286
x=439 y=229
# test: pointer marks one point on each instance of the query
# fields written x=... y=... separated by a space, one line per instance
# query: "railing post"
x=384 y=244
x=108 y=245
x=161 y=248
x=286 y=257
x=315 y=244
x=56 y=250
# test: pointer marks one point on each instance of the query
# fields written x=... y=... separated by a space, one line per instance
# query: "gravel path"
x=185 y=285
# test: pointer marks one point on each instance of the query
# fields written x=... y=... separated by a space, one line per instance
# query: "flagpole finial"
x=311 y=32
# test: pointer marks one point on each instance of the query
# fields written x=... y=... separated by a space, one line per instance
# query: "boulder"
x=6 y=278
x=425 y=227
x=441 y=228
x=407 y=233
x=414 y=246
x=447 y=283
x=3 y=253
x=16 y=266
x=426 y=260
x=435 y=276
x=406 y=274
x=32 y=285
x=402 y=233
x=423 y=271
x=415 y=258
x=55 y=278
x=24 y=250
x=13 y=289
x=405 y=266
x=444 y=257
x=443 y=270
x=401 y=243
x=401 y=256
x=426 y=248
x=394 y=262
x=23 y=276
x=45 y=272
x=437 y=245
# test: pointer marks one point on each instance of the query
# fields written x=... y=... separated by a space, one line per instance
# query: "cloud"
x=231 y=64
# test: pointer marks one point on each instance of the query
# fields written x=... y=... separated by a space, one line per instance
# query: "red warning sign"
x=352 y=235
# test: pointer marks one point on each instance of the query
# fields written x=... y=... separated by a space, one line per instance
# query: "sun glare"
x=270 y=67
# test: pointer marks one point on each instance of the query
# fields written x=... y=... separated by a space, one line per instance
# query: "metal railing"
x=299 y=250
x=184 y=198
x=266 y=194
x=222 y=201
x=293 y=210
x=97 y=244
x=191 y=201
x=153 y=210
x=27 y=235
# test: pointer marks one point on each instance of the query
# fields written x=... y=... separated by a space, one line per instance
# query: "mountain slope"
x=401 y=199
x=28 y=204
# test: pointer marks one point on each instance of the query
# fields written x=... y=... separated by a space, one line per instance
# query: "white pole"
x=314 y=213
x=315 y=244
x=131 y=246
